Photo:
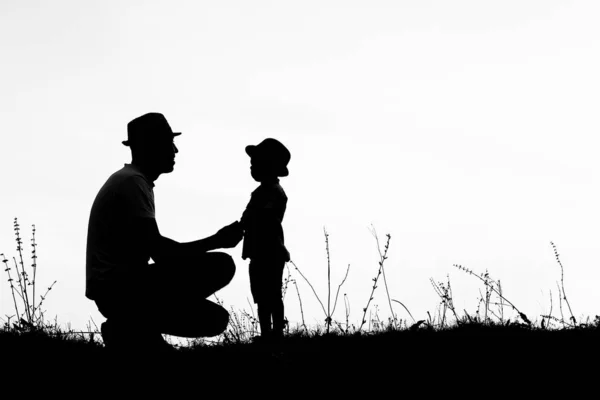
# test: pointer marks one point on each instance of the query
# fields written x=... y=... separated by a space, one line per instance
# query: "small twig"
x=338 y=290
x=399 y=302
x=328 y=319
x=285 y=284
x=347 y=307
x=550 y=313
x=379 y=272
x=95 y=326
x=562 y=282
x=299 y=301
x=12 y=287
x=560 y=303
x=451 y=300
x=501 y=302
x=311 y=286
x=21 y=291
x=382 y=258
x=445 y=294
x=23 y=272
x=34 y=261
x=42 y=298
x=219 y=302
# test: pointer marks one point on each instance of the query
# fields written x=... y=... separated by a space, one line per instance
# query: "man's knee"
x=225 y=264
x=222 y=320
x=219 y=320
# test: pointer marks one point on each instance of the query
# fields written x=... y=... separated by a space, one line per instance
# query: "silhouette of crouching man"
x=142 y=301
x=167 y=298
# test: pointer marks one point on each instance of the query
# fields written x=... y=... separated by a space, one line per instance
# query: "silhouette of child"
x=263 y=234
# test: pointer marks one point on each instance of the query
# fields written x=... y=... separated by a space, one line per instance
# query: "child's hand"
x=230 y=235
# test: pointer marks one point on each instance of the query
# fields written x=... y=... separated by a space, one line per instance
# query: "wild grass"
x=447 y=333
x=29 y=313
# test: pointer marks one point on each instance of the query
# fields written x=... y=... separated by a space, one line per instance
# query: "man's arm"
x=161 y=248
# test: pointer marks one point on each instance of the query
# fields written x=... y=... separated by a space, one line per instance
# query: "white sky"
x=465 y=129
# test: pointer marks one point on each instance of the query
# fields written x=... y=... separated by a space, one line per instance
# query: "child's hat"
x=274 y=151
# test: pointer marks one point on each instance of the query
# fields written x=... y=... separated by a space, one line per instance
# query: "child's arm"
x=268 y=216
x=264 y=212
x=246 y=217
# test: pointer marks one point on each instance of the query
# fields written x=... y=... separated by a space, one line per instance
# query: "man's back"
x=112 y=245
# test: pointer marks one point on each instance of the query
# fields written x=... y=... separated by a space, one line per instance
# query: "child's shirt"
x=261 y=221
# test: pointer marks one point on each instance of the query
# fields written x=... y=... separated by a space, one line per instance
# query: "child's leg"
x=277 y=299
x=264 y=319
x=278 y=317
x=257 y=271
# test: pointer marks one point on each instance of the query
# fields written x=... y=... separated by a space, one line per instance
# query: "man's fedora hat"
x=274 y=151
x=148 y=127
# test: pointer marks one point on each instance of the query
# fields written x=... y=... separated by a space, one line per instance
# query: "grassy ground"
x=487 y=352
x=472 y=354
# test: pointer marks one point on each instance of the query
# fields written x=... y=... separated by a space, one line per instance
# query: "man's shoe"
x=160 y=345
x=146 y=343
x=107 y=334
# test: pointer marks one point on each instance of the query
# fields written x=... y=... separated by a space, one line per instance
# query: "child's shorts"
x=266 y=279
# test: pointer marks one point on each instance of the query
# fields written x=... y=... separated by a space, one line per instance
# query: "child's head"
x=268 y=160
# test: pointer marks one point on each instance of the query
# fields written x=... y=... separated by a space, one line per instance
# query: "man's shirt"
x=113 y=250
x=261 y=221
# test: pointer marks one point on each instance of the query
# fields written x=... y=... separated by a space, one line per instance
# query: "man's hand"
x=230 y=235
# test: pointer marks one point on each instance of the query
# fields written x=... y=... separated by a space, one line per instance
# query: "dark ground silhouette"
x=472 y=360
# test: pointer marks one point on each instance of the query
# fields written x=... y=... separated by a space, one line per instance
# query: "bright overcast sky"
x=465 y=129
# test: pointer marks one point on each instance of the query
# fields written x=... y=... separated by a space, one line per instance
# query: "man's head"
x=150 y=138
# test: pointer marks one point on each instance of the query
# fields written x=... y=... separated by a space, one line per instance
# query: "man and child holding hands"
x=123 y=236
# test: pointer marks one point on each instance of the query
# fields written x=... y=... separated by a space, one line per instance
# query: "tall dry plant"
x=328 y=312
x=28 y=312
x=561 y=293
